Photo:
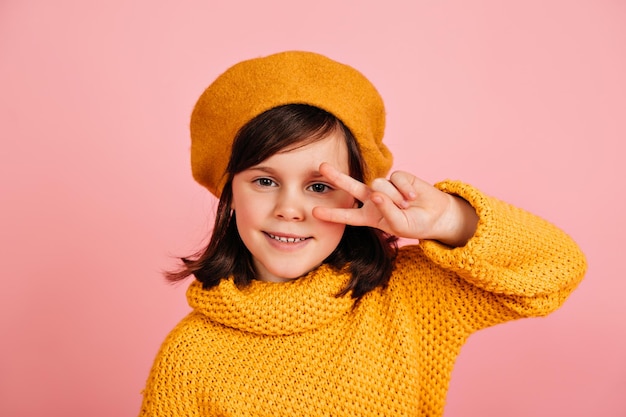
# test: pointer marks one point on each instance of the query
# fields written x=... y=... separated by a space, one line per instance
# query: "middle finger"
x=385 y=186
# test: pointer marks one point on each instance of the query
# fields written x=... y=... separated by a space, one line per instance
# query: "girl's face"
x=273 y=203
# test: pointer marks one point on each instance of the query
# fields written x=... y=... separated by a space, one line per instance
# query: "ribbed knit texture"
x=294 y=349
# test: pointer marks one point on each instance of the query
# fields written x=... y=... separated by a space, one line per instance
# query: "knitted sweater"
x=295 y=349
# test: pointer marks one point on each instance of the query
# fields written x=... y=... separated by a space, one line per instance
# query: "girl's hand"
x=404 y=206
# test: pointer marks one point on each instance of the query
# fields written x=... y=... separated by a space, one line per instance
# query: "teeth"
x=287 y=239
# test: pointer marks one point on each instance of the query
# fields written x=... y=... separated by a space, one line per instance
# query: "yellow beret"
x=252 y=87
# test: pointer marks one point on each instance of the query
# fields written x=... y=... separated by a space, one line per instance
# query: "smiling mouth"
x=287 y=239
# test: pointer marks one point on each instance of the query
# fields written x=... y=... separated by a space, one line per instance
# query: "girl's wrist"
x=460 y=223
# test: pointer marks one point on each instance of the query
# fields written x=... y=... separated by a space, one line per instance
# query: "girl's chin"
x=283 y=276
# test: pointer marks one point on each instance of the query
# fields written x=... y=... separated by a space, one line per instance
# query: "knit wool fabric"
x=294 y=349
x=251 y=87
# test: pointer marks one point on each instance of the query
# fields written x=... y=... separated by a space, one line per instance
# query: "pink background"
x=526 y=100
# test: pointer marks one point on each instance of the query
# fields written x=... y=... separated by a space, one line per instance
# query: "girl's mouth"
x=285 y=239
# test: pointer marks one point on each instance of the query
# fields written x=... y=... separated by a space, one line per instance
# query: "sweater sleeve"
x=172 y=388
x=515 y=259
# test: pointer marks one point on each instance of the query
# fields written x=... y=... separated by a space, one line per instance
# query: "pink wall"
x=526 y=100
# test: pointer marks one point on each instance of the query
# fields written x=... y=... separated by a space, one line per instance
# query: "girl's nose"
x=290 y=206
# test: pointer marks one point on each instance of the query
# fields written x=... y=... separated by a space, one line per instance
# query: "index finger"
x=345 y=182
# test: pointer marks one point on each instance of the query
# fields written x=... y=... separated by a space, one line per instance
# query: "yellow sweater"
x=294 y=349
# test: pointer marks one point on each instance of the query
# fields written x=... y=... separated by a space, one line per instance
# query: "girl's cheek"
x=340 y=202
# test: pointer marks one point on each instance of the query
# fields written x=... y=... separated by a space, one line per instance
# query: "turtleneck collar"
x=268 y=308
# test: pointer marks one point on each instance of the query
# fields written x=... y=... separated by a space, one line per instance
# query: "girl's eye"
x=265 y=182
x=319 y=188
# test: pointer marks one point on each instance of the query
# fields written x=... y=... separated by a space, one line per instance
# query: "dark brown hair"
x=367 y=253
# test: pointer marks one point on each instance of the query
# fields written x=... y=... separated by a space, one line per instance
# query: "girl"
x=302 y=302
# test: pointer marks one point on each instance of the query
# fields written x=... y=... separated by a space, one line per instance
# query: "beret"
x=254 y=86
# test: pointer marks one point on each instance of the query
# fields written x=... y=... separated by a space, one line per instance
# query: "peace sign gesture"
x=402 y=205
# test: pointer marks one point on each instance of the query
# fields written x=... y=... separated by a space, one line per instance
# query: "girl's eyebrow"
x=269 y=170
x=262 y=168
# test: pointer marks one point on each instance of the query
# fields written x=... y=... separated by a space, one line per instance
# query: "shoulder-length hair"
x=367 y=253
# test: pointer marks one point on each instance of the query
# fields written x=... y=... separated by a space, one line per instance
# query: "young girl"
x=302 y=302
